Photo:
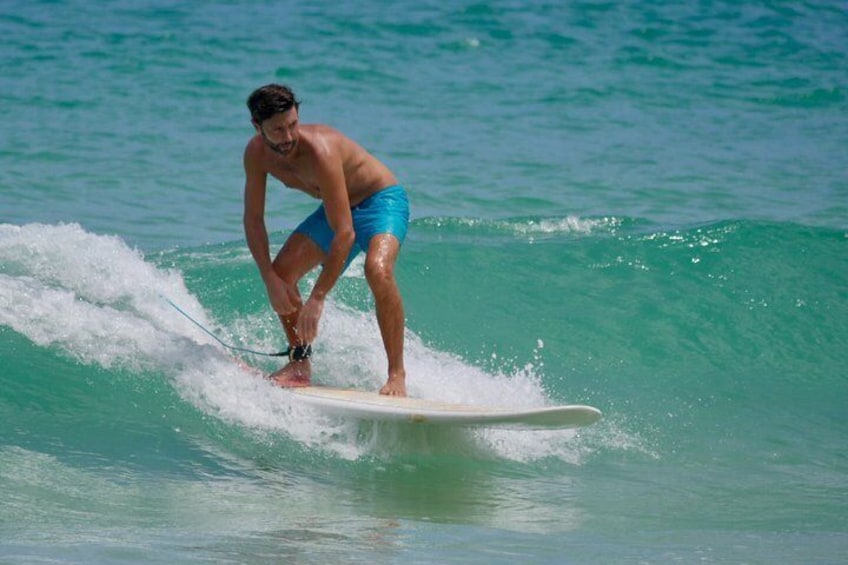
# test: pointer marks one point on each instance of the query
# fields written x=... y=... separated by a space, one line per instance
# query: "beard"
x=280 y=148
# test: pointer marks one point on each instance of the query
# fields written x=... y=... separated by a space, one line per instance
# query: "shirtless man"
x=362 y=207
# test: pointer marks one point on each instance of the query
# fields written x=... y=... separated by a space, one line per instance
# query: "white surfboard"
x=373 y=406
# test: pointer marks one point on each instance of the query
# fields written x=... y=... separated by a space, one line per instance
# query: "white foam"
x=99 y=301
x=569 y=224
x=533 y=228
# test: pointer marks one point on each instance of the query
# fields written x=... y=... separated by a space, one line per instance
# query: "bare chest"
x=294 y=179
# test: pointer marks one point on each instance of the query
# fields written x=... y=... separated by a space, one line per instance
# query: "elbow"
x=345 y=239
x=254 y=228
x=250 y=221
x=348 y=236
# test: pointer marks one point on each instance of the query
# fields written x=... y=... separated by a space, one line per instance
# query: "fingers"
x=284 y=307
x=307 y=322
x=291 y=307
x=293 y=295
x=285 y=299
x=306 y=333
x=307 y=326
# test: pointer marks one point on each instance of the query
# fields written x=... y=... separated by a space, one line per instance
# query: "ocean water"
x=642 y=206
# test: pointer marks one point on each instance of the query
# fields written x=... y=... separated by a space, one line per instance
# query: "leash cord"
x=293 y=353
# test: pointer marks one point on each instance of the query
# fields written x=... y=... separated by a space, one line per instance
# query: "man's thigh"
x=299 y=255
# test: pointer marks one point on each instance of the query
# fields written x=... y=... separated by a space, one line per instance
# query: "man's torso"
x=364 y=174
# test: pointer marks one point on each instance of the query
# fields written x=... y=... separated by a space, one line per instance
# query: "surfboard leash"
x=296 y=353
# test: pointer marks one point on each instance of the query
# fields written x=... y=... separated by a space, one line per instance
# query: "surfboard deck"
x=373 y=406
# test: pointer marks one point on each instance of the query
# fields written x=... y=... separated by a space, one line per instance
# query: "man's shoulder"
x=254 y=153
x=255 y=148
x=322 y=132
x=323 y=141
x=254 y=144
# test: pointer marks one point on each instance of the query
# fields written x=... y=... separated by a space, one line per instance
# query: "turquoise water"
x=638 y=206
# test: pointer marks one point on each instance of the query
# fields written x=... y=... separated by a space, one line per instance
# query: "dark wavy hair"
x=271 y=99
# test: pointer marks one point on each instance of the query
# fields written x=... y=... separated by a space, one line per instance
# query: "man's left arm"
x=330 y=178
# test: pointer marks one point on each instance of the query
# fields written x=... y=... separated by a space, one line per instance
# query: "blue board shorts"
x=386 y=211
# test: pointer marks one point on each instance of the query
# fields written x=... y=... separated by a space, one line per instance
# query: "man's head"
x=270 y=99
x=273 y=111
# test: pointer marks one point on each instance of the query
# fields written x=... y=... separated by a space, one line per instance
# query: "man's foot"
x=395 y=386
x=296 y=373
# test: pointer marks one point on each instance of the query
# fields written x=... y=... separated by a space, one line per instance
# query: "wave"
x=87 y=306
x=665 y=329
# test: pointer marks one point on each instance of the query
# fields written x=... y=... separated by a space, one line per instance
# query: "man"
x=362 y=207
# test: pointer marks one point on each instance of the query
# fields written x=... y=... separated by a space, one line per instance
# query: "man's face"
x=280 y=131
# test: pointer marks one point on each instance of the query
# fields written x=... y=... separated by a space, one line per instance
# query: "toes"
x=391 y=391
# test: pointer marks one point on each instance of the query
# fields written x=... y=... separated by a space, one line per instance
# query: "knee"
x=379 y=274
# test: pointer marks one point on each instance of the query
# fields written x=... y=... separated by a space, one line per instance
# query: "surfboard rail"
x=373 y=406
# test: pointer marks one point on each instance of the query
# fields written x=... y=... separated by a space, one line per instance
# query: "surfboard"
x=375 y=407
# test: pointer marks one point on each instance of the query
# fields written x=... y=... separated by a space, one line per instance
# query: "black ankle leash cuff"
x=299 y=352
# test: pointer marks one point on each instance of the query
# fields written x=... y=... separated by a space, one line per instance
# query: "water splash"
x=99 y=301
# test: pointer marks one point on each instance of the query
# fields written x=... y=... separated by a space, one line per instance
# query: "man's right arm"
x=257 y=235
x=254 y=212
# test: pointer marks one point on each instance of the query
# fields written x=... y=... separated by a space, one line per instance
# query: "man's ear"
x=256 y=126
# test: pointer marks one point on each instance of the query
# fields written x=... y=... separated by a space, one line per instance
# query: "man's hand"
x=307 y=323
x=284 y=298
